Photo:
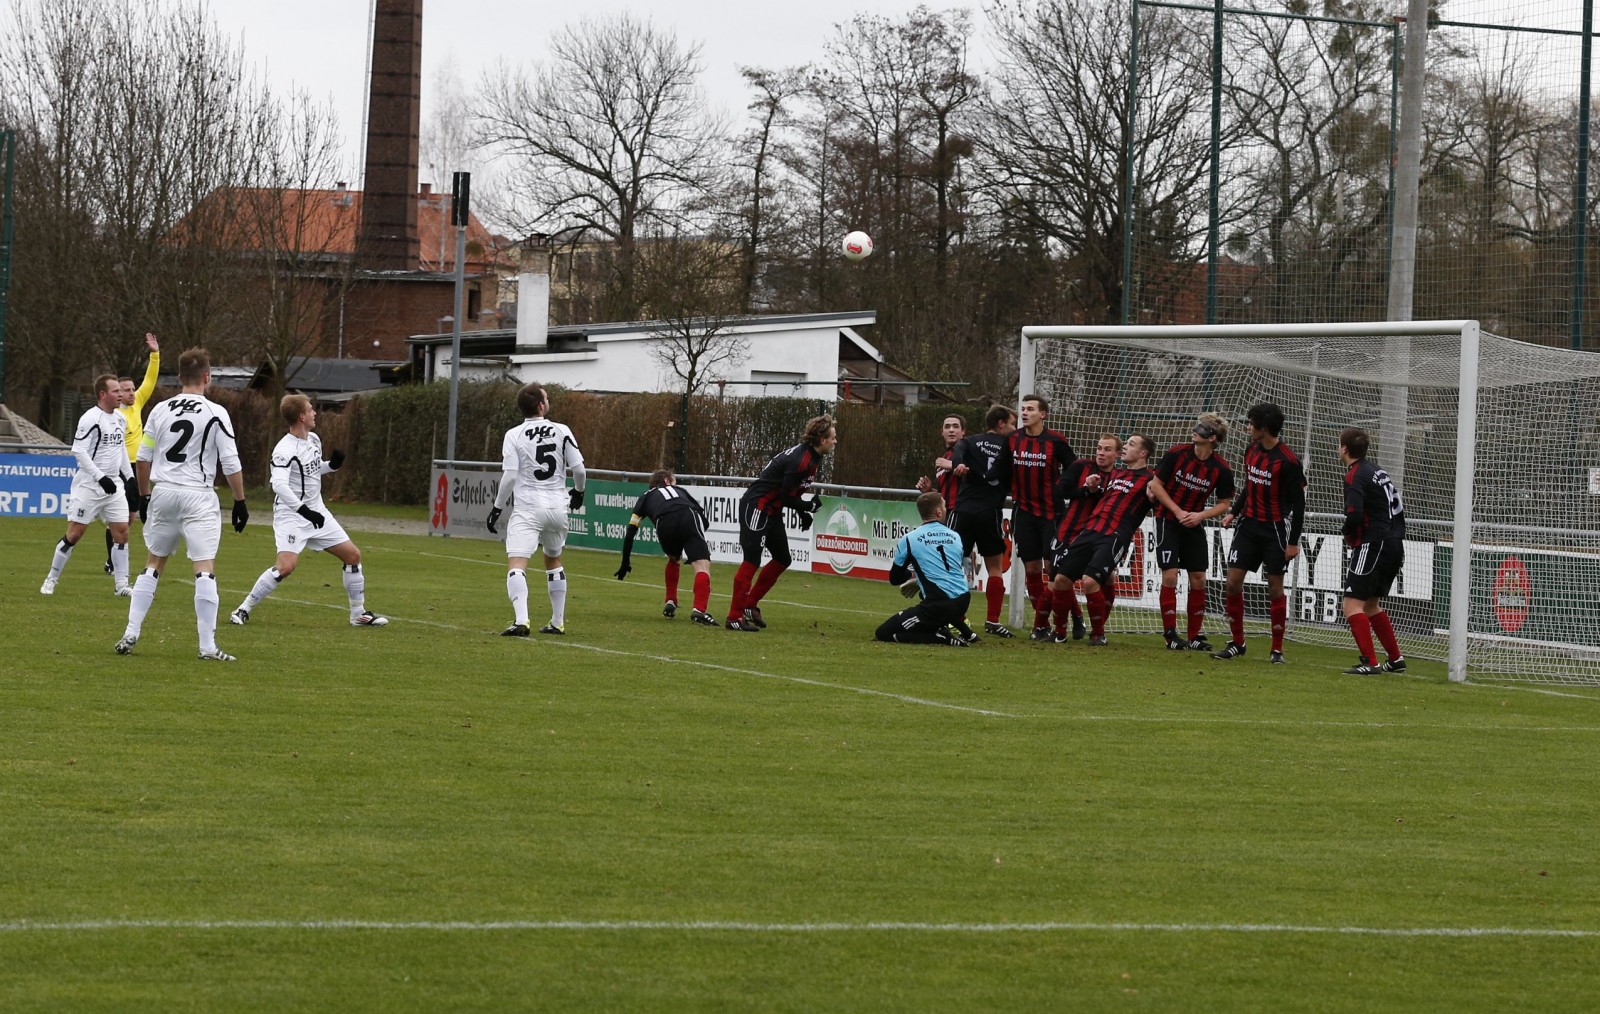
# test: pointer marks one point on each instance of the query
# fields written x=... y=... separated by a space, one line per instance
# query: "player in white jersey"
x=300 y=518
x=98 y=490
x=186 y=440
x=537 y=457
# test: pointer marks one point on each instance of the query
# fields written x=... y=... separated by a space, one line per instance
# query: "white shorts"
x=295 y=534
x=540 y=528
x=193 y=515
x=90 y=502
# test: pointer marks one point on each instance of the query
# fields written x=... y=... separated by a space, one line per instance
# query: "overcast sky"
x=321 y=45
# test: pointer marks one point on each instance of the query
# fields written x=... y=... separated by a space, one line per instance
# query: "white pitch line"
x=560 y=643
x=721 y=926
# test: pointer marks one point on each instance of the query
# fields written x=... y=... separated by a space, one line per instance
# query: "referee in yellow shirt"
x=132 y=408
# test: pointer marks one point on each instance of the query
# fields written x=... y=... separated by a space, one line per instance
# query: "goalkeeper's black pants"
x=922 y=623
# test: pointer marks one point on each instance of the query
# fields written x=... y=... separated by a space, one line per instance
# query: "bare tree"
x=447 y=145
x=611 y=135
x=690 y=283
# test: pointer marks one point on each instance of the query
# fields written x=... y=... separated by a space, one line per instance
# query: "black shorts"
x=1259 y=544
x=1092 y=555
x=1373 y=568
x=979 y=528
x=1180 y=547
x=681 y=534
x=759 y=530
x=1032 y=535
x=920 y=623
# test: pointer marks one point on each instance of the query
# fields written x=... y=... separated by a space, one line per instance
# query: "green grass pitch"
x=649 y=815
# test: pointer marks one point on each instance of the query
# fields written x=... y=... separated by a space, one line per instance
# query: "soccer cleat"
x=551 y=628
x=1363 y=670
x=1199 y=644
x=516 y=630
x=1230 y=651
x=753 y=615
x=1077 y=628
x=216 y=655
x=368 y=618
x=997 y=629
x=703 y=618
x=1176 y=643
x=1099 y=641
x=1276 y=658
x=949 y=640
x=670 y=609
x=1060 y=637
x=123 y=591
x=239 y=617
x=49 y=586
x=125 y=646
x=744 y=625
x=1040 y=634
x=1394 y=665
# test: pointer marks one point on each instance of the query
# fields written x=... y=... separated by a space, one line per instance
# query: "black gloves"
x=805 y=521
x=241 y=515
x=574 y=499
x=624 y=570
x=494 y=519
x=143 y=507
x=812 y=505
x=315 y=517
x=108 y=484
x=336 y=458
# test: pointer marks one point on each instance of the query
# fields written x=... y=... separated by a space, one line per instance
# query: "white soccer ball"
x=857 y=246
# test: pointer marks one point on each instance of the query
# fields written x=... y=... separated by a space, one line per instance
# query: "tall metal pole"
x=460 y=201
x=8 y=159
x=1212 y=226
x=1580 y=203
x=1130 y=163
x=1396 y=42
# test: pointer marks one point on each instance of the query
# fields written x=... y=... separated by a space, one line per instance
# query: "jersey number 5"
x=544 y=461
x=185 y=431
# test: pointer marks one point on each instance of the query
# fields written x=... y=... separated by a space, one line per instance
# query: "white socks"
x=264 y=585
x=205 y=611
x=558 y=595
x=119 y=565
x=144 y=594
x=517 y=591
x=59 y=561
x=355 y=586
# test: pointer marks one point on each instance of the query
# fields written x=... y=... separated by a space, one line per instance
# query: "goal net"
x=1494 y=444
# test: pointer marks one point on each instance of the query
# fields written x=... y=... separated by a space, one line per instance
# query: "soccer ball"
x=857 y=246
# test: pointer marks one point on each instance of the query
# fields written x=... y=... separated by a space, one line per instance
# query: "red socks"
x=1236 y=617
x=1099 y=608
x=741 y=590
x=1041 y=606
x=671 y=578
x=768 y=577
x=994 y=590
x=1169 y=608
x=1361 y=629
x=1197 y=611
x=1385 y=632
x=702 y=591
x=1280 y=621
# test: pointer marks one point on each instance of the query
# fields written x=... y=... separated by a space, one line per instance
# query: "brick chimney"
x=388 y=239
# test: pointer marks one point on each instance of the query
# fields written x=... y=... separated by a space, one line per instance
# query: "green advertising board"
x=1539 y=595
x=603 y=524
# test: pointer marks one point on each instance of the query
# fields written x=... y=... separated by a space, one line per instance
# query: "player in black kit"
x=680 y=524
x=983 y=463
x=1375 y=531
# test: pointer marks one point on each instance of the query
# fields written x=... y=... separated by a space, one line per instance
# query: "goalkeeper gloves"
x=241 y=515
x=108 y=484
x=909 y=588
x=624 y=570
x=574 y=499
x=336 y=459
x=494 y=519
x=315 y=517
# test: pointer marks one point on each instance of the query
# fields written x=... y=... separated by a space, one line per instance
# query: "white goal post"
x=1493 y=442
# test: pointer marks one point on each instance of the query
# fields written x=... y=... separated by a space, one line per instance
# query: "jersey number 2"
x=185 y=430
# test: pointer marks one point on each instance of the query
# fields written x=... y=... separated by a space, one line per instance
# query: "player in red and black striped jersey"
x=781 y=484
x=1375 y=528
x=1122 y=507
x=1078 y=490
x=944 y=478
x=982 y=461
x=1038 y=456
x=1190 y=473
x=1271 y=509
x=681 y=531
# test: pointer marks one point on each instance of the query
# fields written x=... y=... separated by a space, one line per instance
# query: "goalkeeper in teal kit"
x=928 y=562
